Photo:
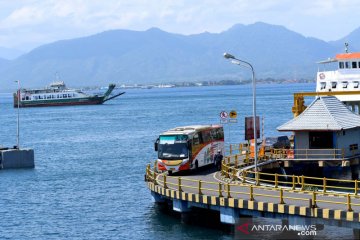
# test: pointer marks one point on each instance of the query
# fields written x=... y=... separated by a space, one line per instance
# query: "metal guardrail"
x=232 y=167
x=291 y=154
x=220 y=189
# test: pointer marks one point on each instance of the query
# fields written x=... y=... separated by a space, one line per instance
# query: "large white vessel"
x=344 y=79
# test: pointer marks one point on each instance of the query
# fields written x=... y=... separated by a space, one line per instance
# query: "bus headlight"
x=185 y=161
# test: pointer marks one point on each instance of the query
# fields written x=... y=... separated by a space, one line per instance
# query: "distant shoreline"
x=214 y=83
x=186 y=84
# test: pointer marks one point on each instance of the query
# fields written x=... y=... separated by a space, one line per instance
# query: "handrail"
x=277 y=193
x=237 y=167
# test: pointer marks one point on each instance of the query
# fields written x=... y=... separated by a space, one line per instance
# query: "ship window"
x=354 y=64
x=345 y=84
x=40 y=97
x=64 y=95
x=22 y=98
x=356 y=84
x=333 y=84
x=341 y=64
x=69 y=95
x=27 y=98
x=322 y=85
x=347 y=64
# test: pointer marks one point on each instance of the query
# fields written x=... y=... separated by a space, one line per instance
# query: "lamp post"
x=18 y=116
x=248 y=65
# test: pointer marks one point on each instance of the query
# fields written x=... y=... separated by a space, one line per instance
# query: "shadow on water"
x=199 y=224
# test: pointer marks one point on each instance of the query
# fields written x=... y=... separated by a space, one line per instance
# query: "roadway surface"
x=240 y=190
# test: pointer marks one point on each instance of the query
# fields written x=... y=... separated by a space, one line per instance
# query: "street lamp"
x=248 y=65
x=18 y=116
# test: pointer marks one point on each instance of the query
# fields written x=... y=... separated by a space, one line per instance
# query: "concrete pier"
x=12 y=158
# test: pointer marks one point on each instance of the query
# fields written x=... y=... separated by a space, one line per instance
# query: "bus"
x=189 y=147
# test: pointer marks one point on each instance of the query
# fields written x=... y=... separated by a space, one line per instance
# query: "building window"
x=320 y=140
x=347 y=64
x=341 y=65
x=333 y=84
x=345 y=84
x=354 y=64
x=353 y=147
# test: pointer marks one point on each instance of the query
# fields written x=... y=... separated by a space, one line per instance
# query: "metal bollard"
x=302 y=183
x=154 y=178
x=349 y=203
x=165 y=185
x=234 y=174
x=356 y=187
x=324 y=185
x=314 y=205
x=251 y=193
x=281 y=196
x=200 y=193
x=293 y=182
x=276 y=180
x=179 y=184
x=220 y=190
x=228 y=190
x=257 y=179
x=244 y=176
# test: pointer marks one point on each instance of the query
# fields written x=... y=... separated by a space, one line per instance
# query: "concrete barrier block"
x=14 y=158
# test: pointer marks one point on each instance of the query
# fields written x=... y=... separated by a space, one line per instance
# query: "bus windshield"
x=173 y=147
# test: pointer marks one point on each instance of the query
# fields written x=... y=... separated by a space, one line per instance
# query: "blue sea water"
x=88 y=182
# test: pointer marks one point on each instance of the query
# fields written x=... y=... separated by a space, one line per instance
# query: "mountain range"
x=156 y=56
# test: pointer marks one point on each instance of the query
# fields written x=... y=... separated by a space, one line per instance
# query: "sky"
x=26 y=24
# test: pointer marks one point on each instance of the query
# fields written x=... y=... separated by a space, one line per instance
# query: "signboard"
x=249 y=128
x=223 y=121
x=223 y=115
x=233 y=114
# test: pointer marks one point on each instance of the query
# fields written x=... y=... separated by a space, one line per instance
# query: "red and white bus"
x=189 y=147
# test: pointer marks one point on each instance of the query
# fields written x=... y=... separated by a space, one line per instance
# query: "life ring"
x=322 y=75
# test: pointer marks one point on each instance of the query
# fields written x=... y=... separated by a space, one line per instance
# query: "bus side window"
x=206 y=137
x=196 y=140
x=219 y=134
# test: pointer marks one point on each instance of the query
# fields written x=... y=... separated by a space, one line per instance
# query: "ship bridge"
x=346 y=77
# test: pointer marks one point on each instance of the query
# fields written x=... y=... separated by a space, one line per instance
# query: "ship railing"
x=253 y=192
x=339 y=76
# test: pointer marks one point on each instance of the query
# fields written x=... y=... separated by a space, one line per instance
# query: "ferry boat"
x=57 y=94
x=342 y=81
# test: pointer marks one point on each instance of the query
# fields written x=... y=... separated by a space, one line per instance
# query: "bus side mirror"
x=156 y=145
